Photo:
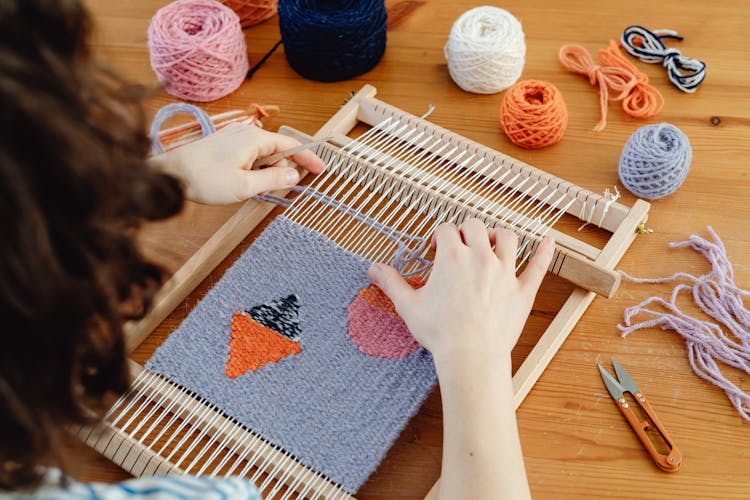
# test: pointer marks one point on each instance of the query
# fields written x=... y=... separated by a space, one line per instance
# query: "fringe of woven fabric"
x=717 y=295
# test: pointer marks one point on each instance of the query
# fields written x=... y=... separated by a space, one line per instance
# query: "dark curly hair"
x=74 y=188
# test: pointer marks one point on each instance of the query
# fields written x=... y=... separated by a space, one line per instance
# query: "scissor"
x=667 y=457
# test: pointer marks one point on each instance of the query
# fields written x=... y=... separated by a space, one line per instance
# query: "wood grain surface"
x=576 y=444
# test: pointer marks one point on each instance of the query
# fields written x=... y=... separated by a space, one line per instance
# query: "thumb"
x=392 y=283
x=267 y=179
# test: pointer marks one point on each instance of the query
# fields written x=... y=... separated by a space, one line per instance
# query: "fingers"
x=309 y=161
x=532 y=276
x=446 y=237
x=269 y=143
x=506 y=244
x=392 y=283
x=474 y=234
x=267 y=179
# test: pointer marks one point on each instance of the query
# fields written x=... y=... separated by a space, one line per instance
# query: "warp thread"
x=655 y=161
x=533 y=114
x=486 y=50
x=333 y=40
x=717 y=295
x=644 y=100
x=615 y=83
x=685 y=73
x=252 y=12
x=609 y=199
x=404 y=255
x=197 y=49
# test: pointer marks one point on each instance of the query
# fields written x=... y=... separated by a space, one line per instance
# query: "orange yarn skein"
x=644 y=100
x=252 y=12
x=609 y=78
x=533 y=114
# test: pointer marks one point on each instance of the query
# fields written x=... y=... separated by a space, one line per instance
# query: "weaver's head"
x=74 y=187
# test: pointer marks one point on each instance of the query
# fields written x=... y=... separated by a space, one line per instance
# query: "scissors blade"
x=289 y=152
x=626 y=381
x=614 y=387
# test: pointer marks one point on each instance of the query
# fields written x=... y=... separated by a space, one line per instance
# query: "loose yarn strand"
x=644 y=100
x=685 y=73
x=614 y=83
x=717 y=295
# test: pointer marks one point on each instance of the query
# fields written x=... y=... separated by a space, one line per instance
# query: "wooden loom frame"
x=590 y=268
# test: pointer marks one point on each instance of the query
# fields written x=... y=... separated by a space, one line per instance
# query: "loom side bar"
x=346 y=118
x=197 y=268
x=372 y=111
x=569 y=315
x=556 y=333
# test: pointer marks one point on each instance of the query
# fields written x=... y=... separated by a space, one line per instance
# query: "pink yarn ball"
x=198 y=49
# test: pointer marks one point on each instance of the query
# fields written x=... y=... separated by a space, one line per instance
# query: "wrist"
x=460 y=374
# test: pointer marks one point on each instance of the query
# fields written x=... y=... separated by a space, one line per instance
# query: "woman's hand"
x=470 y=315
x=216 y=170
x=473 y=307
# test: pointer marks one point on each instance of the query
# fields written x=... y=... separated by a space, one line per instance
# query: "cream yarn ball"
x=486 y=50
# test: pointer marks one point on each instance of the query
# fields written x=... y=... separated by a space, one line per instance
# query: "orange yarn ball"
x=533 y=114
x=252 y=11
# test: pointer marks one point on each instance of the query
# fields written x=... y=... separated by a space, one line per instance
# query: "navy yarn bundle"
x=332 y=40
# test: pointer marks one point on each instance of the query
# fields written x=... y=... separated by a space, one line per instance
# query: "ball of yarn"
x=655 y=161
x=252 y=12
x=533 y=114
x=485 y=50
x=332 y=40
x=198 y=49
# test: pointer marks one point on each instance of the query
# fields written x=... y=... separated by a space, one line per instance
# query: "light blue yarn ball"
x=655 y=161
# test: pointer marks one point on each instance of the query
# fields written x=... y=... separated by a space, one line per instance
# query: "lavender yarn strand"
x=717 y=295
x=168 y=111
x=655 y=161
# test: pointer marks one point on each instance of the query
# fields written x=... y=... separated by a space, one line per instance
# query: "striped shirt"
x=58 y=487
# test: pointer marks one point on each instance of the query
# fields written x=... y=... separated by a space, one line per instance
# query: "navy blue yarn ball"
x=332 y=40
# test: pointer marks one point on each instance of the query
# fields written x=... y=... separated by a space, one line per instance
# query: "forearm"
x=482 y=455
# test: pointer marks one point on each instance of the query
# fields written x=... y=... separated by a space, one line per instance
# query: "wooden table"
x=576 y=443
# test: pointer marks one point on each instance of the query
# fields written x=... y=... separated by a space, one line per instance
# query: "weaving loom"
x=380 y=199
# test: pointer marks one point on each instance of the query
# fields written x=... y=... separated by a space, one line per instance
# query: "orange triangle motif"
x=253 y=345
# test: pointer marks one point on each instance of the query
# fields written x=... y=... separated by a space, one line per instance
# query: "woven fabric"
x=375 y=326
x=254 y=345
x=333 y=407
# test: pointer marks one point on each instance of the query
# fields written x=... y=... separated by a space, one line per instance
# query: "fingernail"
x=292 y=177
x=374 y=272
